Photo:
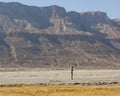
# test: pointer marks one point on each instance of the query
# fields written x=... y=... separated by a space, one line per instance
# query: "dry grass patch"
x=59 y=90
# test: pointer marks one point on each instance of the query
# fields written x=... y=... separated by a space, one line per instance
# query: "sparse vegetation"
x=59 y=90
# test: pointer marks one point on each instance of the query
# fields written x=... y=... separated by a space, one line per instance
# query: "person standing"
x=72 y=69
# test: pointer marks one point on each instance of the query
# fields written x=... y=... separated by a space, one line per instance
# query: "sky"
x=111 y=7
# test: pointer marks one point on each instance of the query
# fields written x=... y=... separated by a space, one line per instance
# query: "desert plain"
x=42 y=82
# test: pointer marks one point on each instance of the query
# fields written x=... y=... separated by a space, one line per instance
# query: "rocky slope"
x=52 y=37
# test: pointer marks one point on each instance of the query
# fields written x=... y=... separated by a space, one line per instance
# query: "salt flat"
x=59 y=76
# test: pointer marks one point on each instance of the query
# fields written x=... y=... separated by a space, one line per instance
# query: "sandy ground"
x=59 y=76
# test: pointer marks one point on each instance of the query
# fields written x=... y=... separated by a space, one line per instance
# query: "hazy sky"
x=111 y=7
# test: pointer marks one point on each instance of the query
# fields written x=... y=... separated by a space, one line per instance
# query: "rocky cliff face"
x=52 y=37
x=54 y=11
x=89 y=18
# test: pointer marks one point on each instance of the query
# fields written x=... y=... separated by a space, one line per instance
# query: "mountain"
x=117 y=20
x=51 y=37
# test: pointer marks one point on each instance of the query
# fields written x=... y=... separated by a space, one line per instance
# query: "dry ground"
x=60 y=90
x=55 y=77
x=58 y=76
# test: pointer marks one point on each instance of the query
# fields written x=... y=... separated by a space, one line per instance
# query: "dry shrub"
x=59 y=90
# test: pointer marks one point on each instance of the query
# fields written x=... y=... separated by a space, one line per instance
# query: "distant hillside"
x=52 y=37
